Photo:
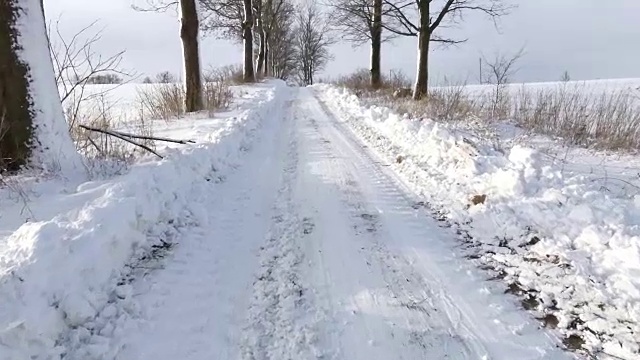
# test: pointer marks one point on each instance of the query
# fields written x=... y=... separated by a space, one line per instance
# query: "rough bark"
x=424 y=38
x=190 y=47
x=248 y=74
x=376 y=43
x=16 y=112
x=260 y=69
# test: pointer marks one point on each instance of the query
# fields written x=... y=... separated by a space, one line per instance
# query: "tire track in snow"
x=408 y=294
x=427 y=305
x=279 y=323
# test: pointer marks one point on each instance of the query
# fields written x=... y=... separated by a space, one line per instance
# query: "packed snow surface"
x=562 y=240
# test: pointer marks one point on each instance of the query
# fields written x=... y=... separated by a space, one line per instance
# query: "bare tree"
x=189 y=29
x=224 y=18
x=76 y=63
x=108 y=78
x=32 y=126
x=433 y=15
x=278 y=25
x=312 y=42
x=361 y=21
x=499 y=71
x=234 y=19
x=75 y=60
x=165 y=77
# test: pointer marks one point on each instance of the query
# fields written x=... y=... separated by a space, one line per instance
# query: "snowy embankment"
x=59 y=273
x=567 y=247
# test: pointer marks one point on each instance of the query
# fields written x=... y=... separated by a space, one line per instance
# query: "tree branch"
x=115 y=134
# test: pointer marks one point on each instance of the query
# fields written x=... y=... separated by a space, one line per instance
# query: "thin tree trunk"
x=247 y=35
x=189 y=35
x=266 y=54
x=260 y=68
x=376 y=43
x=422 y=77
x=16 y=114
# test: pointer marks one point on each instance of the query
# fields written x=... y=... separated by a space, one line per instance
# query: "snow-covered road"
x=313 y=249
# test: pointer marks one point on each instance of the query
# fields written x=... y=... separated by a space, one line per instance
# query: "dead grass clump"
x=608 y=120
x=358 y=81
x=162 y=101
x=216 y=91
x=232 y=74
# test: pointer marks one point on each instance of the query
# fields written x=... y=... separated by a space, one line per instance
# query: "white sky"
x=588 y=38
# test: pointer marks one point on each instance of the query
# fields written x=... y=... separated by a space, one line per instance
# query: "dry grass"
x=608 y=120
x=166 y=101
x=162 y=101
x=605 y=120
x=231 y=74
x=101 y=146
x=216 y=92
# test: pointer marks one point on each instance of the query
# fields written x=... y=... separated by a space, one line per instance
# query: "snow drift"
x=568 y=247
x=59 y=274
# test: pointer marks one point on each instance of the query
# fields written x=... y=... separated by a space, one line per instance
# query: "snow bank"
x=559 y=240
x=61 y=273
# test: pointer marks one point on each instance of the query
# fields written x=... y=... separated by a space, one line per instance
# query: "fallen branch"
x=143 y=137
x=121 y=137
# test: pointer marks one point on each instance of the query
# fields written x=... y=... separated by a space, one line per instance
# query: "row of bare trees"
x=377 y=21
x=280 y=38
x=283 y=37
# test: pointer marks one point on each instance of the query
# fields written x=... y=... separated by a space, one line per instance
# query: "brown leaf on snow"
x=478 y=199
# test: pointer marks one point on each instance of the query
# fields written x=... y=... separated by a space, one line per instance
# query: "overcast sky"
x=590 y=39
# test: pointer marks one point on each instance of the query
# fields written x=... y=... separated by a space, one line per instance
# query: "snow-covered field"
x=593 y=87
x=555 y=231
x=67 y=248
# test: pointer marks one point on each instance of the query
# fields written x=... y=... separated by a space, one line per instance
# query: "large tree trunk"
x=15 y=110
x=247 y=74
x=33 y=130
x=422 y=77
x=376 y=43
x=190 y=48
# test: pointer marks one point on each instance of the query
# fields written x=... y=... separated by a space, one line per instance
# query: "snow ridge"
x=64 y=273
x=573 y=248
